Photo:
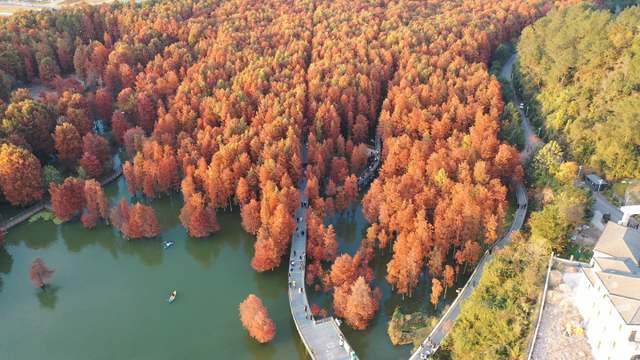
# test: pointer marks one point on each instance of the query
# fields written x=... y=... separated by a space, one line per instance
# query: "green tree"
x=51 y=175
x=550 y=225
x=5 y=86
x=48 y=70
x=510 y=129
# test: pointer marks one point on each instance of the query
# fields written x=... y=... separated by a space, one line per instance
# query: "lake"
x=107 y=297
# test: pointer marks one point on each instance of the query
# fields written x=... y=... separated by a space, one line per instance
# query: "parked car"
x=521 y=106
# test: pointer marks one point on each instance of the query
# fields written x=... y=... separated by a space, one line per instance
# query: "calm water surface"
x=107 y=298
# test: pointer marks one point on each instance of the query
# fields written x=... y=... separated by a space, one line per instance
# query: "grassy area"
x=581 y=253
x=511 y=210
x=616 y=193
x=412 y=328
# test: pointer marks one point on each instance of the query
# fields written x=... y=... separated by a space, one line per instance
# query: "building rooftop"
x=590 y=275
x=629 y=309
x=620 y=273
x=622 y=285
x=596 y=179
x=618 y=265
x=619 y=241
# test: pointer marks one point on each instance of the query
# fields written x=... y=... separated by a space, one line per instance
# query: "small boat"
x=172 y=297
x=167 y=244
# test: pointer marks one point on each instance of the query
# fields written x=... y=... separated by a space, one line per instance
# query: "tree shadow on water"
x=6 y=263
x=150 y=251
x=260 y=351
x=271 y=284
x=205 y=251
x=48 y=296
x=346 y=226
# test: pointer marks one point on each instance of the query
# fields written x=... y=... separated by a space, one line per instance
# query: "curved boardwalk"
x=323 y=338
x=437 y=335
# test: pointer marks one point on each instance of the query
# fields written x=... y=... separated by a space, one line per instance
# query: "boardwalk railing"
x=46 y=205
x=27 y=214
x=114 y=175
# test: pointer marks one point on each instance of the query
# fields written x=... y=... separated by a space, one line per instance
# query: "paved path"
x=530 y=141
x=368 y=175
x=323 y=338
x=601 y=204
x=438 y=334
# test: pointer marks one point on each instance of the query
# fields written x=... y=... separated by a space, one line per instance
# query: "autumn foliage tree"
x=20 y=175
x=436 y=291
x=356 y=303
x=39 y=272
x=135 y=221
x=96 y=204
x=105 y=105
x=255 y=319
x=91 y=165
x=68 y=143
x=67 y=198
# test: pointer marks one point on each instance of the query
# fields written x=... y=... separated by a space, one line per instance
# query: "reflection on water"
x=205 y=251
x=103 y=279
x=47 y=295
x=345 y=227
x=260 y=351
x=271 y=283
x=6 y=262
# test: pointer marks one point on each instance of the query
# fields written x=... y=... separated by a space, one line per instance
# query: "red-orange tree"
x=67 y=198
x=356 y=303
x=68 y=143
x=255 y=318
x=96 y=204
x=39 y=272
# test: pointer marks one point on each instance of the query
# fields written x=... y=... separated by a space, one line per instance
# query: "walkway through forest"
x=322 y=338
x=42 y=205
x=439 y=332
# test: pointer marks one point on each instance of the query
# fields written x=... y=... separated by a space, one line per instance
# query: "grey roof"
x=590 y=275
x=618 y=265
x=596 y=179
x=619 y=241
x=629 y=309
x=622 y=285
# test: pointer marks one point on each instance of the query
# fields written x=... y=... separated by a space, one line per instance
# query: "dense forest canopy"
x=582 y=66
x=216 y=99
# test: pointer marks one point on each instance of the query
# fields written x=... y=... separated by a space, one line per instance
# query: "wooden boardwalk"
x=322 y=338
x=46 y=205
x=370 y=172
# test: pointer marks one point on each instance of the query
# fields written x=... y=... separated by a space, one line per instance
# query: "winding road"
x=602 y=205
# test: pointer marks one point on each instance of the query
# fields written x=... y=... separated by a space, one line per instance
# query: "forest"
x=214 y=101
x=579 y=72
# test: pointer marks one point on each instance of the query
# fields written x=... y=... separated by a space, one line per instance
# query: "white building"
x=609 y=300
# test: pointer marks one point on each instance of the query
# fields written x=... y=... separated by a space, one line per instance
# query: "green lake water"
x=107 y=297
